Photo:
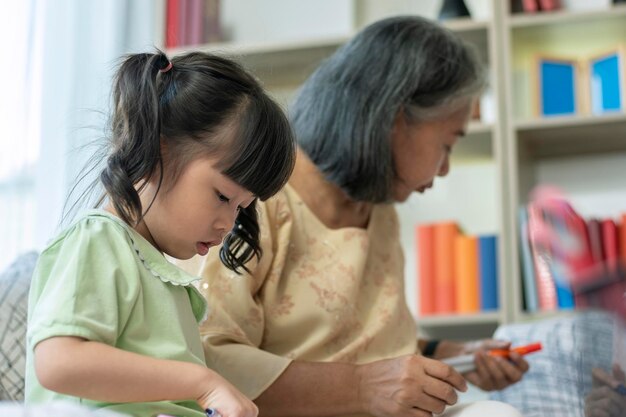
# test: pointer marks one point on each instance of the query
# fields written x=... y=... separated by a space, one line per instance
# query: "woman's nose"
x=445 y=167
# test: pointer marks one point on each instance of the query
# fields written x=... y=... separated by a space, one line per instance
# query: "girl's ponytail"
x=136 y=132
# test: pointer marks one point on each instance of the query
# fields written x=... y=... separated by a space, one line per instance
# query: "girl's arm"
x=87 y=369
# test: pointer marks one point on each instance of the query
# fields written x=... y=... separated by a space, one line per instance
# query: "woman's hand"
x=225 y=399
x=410 y=385
x=603 y=400
x=492 y=373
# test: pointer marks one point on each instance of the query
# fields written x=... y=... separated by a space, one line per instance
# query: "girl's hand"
x=226 y=400
x=604 y=400
x=409 y=385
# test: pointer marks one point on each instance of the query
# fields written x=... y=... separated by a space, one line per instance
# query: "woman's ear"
x=399 y=123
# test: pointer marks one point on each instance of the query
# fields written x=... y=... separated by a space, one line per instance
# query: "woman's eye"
x=223 y=198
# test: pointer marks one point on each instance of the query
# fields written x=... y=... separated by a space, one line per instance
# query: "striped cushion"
x=559 y=375
x=14 y=285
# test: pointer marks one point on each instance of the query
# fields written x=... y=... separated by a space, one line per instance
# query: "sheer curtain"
x=57 y=61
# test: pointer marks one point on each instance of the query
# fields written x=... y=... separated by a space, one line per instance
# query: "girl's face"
x=422 y=150
x=196 y=212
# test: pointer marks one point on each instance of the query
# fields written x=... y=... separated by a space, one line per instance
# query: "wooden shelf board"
x=272 y=59
x=529 y=20
x=573 y=135
x=525 y=316
x=466 y=25
x=452 y=320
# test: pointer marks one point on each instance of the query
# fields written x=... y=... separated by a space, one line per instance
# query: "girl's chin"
x=401 y=194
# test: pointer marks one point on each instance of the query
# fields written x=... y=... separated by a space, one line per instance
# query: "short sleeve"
x=85 y=284
x=233 y=332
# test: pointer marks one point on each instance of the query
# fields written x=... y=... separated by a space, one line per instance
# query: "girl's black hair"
x=185 y=107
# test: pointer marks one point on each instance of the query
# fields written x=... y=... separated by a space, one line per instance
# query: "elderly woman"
x=320 y=326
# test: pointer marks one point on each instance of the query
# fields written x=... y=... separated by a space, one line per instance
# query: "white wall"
x=285 y=20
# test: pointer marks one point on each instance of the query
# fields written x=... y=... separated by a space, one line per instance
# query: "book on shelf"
x=527 y=265
x=549 y=5
x=212 y=21
x=192 y=22
x=466 y=274
x=530 y=6
x=456 y=273
x=594 y=231
x=172 y=21
x=425 y=256
x=183 y=23
x=533 y=6
x=576 y=262
x=622 y=240
x=544 y=280
x=444 y=237
x=195 y=20
x=610 y=244
x=488 y=262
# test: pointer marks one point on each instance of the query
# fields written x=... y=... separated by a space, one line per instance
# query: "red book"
x=549 y=5
x=445 y=234
x=609 y=244
x=530 y=6
x=424 y=237
x=195 y=22
x=622 y=233
x=594 y=230
x=172 y=21
x=183 y=23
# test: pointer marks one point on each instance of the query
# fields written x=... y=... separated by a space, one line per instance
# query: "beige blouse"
x=317 y=294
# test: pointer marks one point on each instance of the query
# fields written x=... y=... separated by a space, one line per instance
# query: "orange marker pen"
x=465 y=363
x=522 y=350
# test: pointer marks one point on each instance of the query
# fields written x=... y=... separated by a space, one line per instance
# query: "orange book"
x=424 y=237
x=445 y=234
x=466 y=273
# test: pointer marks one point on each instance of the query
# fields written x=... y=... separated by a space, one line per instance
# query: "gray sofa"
x=555 y=386
x=560 y=375
x=14 y=286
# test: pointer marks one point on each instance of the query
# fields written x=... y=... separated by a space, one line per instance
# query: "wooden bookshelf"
x=512 y=145
x=534 y=144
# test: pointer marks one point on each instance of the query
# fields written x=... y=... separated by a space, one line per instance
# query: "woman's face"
x=422 y=150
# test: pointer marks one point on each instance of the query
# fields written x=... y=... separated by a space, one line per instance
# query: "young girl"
x=113 y=324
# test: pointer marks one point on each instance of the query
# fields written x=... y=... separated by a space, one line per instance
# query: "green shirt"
x=102 y=281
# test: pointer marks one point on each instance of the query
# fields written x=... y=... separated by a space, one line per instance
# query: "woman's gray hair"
x=344 y=113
